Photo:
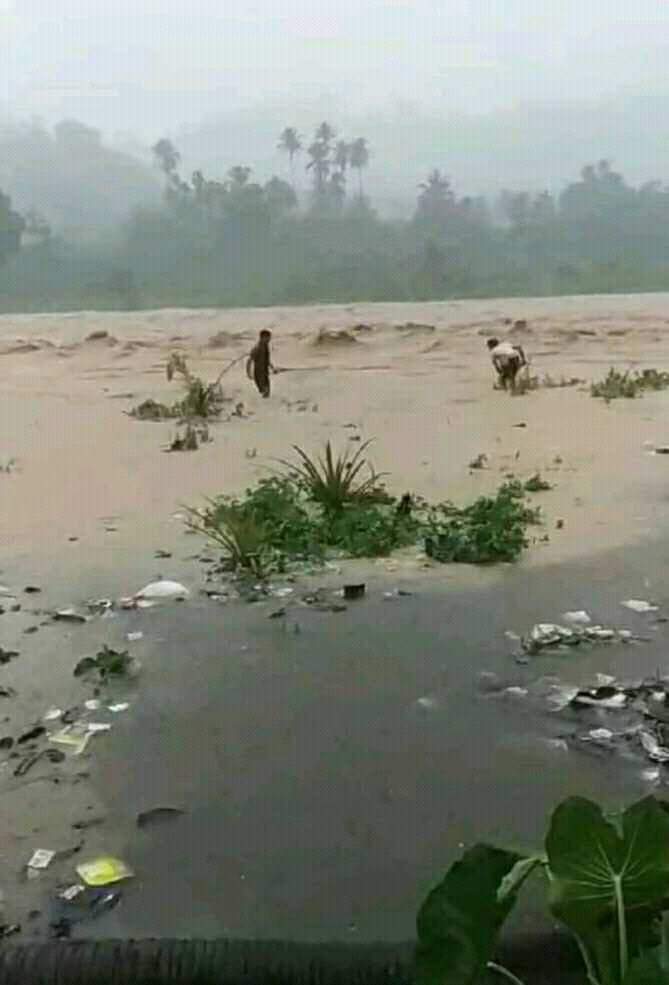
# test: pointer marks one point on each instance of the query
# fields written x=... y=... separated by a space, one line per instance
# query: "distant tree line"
x=237 y=241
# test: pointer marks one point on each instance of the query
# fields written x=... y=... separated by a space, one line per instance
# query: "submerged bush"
x=629 y=384
x=492 y=528
x=325 y=508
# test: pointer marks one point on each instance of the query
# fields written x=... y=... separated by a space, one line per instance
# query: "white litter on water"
x=163 y=590
x=52 y=714
x=651 y=775
x=603 y=680
x=639 y=605
x=561 y=695
x=516 y=692
x=282 y=593
x=580 y=617
x=655 y=751
x=41 y=859
x=599 y=735
x=427 y=703
x=121 y=706
x=92 y=705
x=558 y=744
x=615 y=701
x=72 y=892
x=95 y=727
x=133 y=637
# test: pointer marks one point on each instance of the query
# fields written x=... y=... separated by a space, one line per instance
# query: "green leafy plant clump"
x=338 y=505
x=491 y=529
x=607 y=883
x=629 y=385
x=336 y=482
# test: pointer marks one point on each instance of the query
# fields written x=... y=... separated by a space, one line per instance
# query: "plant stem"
x=622 y=928
x=505 y=973
x=592 y=978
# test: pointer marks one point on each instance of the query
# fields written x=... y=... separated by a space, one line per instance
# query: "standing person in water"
x=259 y=364
x=508 y=360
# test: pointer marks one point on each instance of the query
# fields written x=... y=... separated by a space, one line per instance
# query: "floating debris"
x=103 y=871
x=640 y=605
x=580 y=617
x=69 y=615
x=547 y=635
x=158 y=815
x=107 y=663
x=41 y=859
x=163 y=590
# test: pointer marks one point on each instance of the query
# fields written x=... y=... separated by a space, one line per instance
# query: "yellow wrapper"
x=103 y=871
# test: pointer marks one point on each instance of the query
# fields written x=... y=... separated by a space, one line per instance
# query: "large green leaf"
x=609 y=878
x=647 y=970
x=459 y=922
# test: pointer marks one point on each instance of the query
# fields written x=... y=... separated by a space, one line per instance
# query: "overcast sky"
x=152 y=65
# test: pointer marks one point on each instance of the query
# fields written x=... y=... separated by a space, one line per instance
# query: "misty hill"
x=533 y=146
x=71 y=177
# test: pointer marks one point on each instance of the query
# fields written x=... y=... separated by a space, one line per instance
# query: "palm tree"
x=342 y=154
x=167 y=157
x=337 y=190
x=291 y=144
x=239 y=175
x=325 y=134
x=359 y=158
x=319 y=152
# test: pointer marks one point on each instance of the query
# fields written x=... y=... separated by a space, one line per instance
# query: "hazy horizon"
x=149 y=66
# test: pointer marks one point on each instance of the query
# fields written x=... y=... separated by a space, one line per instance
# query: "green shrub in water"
x=493 y=528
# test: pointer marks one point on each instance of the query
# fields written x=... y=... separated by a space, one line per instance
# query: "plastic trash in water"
x=580 y=617
x=133 y=637
x=639 y=605
x=427 y=703
x=74 y=738
x=69 y=615
x=354 y=591
x=559 y=745
x=41 y=859
x=52 y=715
x=283 y=593
x=92 y=705
x=72 y=892
x=104 y=870
x=653 y=749
x=165 y=590
x=119 y=706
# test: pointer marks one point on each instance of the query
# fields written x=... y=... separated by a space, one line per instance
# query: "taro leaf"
x=459 y=922
x=600 y=869
x=646 y=971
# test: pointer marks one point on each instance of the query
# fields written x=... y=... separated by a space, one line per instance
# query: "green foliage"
x=243 y=539
x=491 y=529
x=369 y=529
x=629 y=384
x=536 y=484
x=608 y=883
x=616 y=385
x=232 y=241
x=106 y=664
x=459 y=922
x=334 y=483
x=324 y=506
x=200 y=401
